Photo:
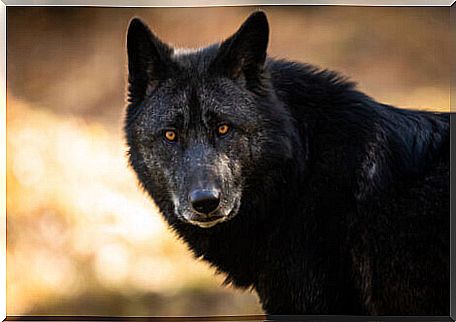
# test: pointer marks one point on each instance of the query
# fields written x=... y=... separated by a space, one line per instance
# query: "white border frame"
x=158 y=3
x=3 y=160
x=215 y=3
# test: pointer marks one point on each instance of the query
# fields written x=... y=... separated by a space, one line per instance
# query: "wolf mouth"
x=209 y=223
x=215 y=219
x=209 y=219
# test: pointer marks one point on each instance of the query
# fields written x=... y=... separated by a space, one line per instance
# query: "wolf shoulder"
x=396 y=148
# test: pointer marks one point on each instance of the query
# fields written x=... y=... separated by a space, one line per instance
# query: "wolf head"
x=202 y=124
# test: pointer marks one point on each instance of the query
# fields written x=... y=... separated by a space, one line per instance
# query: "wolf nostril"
x=204 y=201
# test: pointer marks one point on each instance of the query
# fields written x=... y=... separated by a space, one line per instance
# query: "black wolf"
x=289 y=180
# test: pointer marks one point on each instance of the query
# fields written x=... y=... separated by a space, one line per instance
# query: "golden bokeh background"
x=82 y=238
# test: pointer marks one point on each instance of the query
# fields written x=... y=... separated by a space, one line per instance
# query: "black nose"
x=204 y=201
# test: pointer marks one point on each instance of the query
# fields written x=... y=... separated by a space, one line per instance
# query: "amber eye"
x=223 y=129
x=170 y=135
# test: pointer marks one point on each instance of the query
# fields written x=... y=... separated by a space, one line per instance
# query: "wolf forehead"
x=181 y=103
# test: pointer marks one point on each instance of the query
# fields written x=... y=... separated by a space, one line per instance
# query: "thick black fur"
x=344 y=201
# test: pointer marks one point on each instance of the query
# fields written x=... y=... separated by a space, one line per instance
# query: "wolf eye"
x=170 y=135
x=223 y=129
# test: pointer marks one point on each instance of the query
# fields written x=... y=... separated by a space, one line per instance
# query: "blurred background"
x=82 y=238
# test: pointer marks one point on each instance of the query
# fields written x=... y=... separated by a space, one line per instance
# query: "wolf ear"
x=244 y=53
x=148 y=60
